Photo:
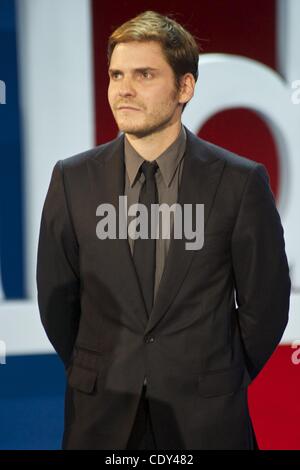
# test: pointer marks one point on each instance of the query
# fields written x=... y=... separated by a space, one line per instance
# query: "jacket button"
x=149 y=339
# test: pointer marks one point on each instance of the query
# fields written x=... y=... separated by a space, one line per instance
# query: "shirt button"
x=149 y=339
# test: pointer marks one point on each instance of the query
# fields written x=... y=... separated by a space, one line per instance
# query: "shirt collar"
x=167 y=161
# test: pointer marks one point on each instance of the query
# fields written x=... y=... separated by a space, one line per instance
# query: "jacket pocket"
x=82 y=379
x=224 y=382
x=87 y=358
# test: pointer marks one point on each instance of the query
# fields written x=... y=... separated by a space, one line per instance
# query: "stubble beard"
x=148 y=128
x=154 y=124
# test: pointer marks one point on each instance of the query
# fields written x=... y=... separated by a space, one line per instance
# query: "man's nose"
x=126 y=87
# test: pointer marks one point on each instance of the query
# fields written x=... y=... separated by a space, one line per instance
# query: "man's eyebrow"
x=139 y=69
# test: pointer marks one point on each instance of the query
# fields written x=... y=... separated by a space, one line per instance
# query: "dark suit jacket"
x=218 y=316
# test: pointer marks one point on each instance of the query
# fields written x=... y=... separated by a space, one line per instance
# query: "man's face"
x=141 y=78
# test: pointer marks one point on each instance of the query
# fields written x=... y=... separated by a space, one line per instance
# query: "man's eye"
x=146 y=74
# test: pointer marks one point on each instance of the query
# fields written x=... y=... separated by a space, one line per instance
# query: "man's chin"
x=136 y=131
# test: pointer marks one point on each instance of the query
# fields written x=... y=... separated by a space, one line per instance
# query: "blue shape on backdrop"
x=11 y=185
x=32 y=402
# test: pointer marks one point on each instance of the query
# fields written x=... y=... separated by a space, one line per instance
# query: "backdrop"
x=53 y=104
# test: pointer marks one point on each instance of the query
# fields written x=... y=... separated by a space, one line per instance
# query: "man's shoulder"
x=98 y=153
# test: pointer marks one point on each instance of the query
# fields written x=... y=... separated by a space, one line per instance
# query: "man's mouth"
x=128 y=108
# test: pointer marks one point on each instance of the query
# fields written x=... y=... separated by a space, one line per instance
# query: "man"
x=159 y=341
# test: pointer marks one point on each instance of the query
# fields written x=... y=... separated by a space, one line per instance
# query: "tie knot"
x=149 y=169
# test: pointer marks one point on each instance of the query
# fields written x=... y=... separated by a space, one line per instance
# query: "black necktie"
x=144 y=251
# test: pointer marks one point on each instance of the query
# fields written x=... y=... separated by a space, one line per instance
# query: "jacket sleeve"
x=261 y=271
x=57 y=274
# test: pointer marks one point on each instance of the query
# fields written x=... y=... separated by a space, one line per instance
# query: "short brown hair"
x=178 y=45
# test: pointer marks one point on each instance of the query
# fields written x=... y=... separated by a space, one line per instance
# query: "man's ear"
x=187 y=87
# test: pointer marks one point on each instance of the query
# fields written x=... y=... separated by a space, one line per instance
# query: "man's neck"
x=152 y=146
